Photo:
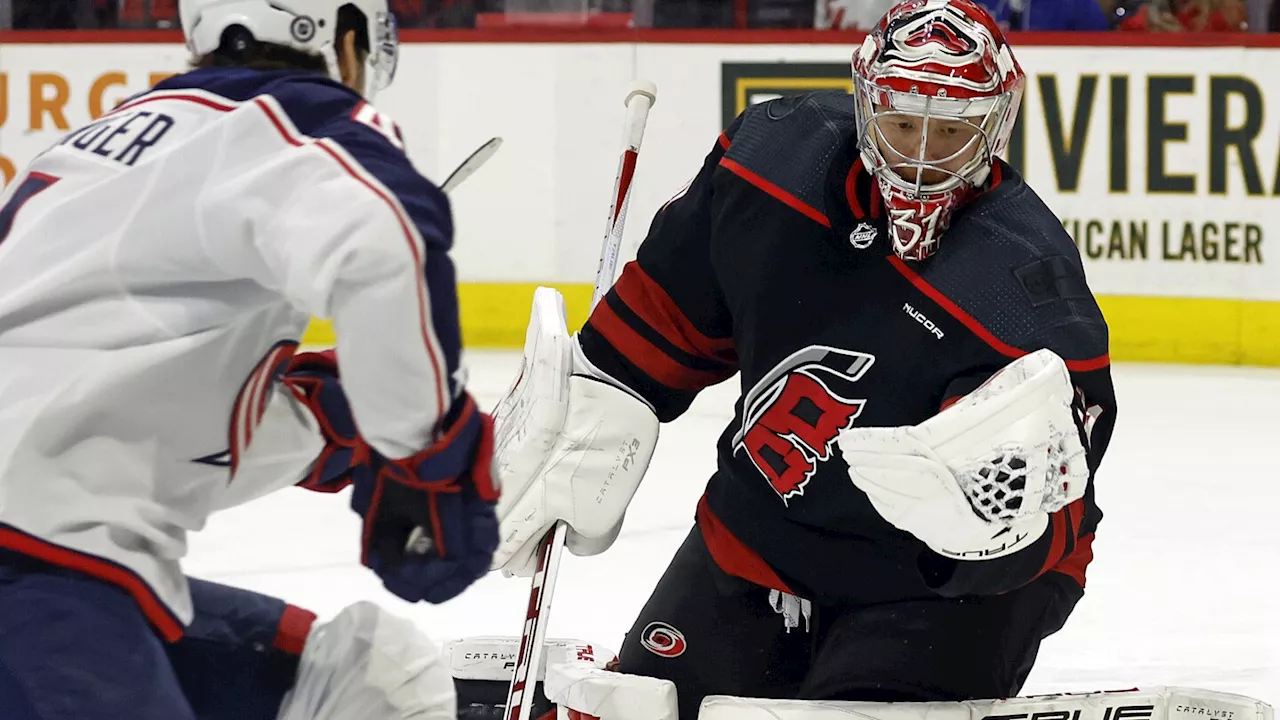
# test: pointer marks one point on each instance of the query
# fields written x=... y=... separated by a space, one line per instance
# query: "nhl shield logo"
x=862 y=236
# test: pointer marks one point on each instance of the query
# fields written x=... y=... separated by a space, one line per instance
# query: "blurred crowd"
x=1036 y=15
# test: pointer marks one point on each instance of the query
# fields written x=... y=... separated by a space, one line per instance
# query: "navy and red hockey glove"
x=446 y=490
x=313 y=378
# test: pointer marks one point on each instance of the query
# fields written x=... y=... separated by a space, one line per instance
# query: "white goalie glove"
x=570 y=443
x=980 y=479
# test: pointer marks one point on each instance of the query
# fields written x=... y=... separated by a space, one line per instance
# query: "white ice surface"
x=1185 y=588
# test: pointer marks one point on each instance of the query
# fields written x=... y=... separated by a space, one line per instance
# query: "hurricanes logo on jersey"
x=791 y=418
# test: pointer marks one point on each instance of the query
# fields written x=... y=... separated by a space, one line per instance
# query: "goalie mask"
x=936 y=91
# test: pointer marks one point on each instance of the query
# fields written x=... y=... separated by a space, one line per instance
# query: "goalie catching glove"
x=979 y=479
x=571 y=444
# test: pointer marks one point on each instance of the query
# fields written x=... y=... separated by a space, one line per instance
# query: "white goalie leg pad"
x=1157 y=703
x=369 y=664
x=571 y=444
x=979 y=479
x=573 y=675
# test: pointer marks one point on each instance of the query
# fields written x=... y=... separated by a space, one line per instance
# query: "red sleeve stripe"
x=778 y=193
x=976 y=327
x=647 y=299
x=724 y=140
x=349 y=165
x=645 y=355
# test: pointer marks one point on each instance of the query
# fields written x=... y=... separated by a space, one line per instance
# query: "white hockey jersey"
x=157 y=268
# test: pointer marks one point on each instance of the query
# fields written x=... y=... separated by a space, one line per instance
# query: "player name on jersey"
x=122 y=136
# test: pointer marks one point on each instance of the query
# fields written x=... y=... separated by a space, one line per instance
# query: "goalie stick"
x=520 y=695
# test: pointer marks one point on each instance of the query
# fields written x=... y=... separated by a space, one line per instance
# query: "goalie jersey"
x=775 y=265
x=159 y=267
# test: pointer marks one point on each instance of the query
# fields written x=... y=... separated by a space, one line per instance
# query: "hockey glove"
x=313 y=378
x=448 y=490
x=979 y=480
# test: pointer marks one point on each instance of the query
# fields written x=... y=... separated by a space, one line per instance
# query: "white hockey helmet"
x=309 y=26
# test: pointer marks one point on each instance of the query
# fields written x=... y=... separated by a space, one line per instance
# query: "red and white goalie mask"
x=937 y=91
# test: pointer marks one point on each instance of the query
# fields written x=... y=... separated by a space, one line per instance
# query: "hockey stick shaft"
x=639 y=101
x=469 y=166
x=520 y=695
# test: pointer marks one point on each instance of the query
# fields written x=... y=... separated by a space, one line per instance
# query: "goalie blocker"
x=571 y=443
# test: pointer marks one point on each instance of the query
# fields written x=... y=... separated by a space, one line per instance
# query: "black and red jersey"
x=776 y=265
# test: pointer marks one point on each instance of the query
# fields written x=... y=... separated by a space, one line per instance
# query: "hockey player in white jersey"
x=158 y=267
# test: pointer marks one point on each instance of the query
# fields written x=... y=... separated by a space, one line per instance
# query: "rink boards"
x=1162 y=162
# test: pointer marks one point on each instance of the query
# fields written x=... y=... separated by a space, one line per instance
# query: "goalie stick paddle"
x=520 y=695
x=473 y=163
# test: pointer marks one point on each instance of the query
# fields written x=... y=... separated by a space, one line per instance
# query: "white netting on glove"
x=1057 y=482
x=997 y=487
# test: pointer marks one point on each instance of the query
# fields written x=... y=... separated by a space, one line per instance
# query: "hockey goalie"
x=903 y=507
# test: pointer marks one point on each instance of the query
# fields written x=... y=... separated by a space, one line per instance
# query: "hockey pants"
x=715 y=634
x=75 y=648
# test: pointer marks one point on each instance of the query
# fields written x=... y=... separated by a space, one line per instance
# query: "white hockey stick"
x=520 y=695
x=473 y=163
